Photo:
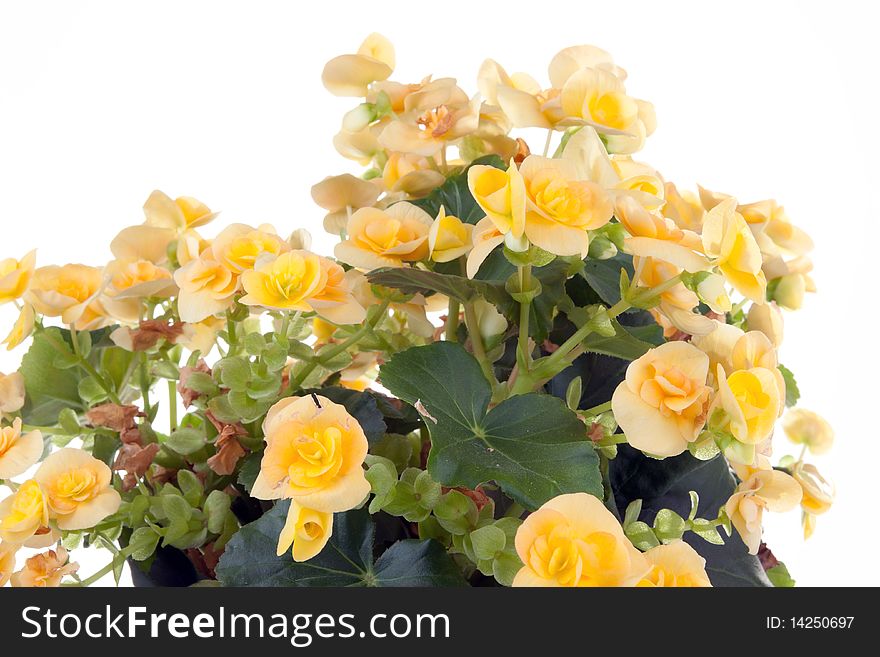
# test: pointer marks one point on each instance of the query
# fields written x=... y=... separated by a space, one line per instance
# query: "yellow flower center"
x=672 y=392
x=751 y=398
x=27 y=504
x=244 y=250
x=315 y=458
x=615 y=110
x=564 y=201
x=574 y=560
x=662 y=577
x=72 y=488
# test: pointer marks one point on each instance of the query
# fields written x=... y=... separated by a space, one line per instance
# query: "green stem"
x=452 y=320
x=231 y=336
x=334 y=351
x=597 y=410
x=524 y=354
x=616 y=439
x=547 y=142
x=145 y=383
x=473 y=327
x=172 y=404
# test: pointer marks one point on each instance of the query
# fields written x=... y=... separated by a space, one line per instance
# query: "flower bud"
x=767 y=318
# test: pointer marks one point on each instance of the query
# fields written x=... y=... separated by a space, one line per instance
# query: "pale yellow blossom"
x=15 y=276
x=306 y=530
x=804 y=427
x=45 y=570
x=18 y=452
x=22 y=328
x=385 y=238
x=449 y=237
x=676 y=565
x=765 y=489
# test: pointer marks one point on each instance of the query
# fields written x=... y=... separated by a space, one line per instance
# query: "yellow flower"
x=765 y=489
x=351 y=75
x=206 y=288
x=7 y=562
x=178 y=214
x=12 y=392
x=449 y=237
x=501 y=195
x=746 y=406
x=201 y=336
x=727 y=238
x=238 y=246
x=658 y=237
x=661 y=405
x=138 y=279
x=675 y=565
x=15 y=276
x=818 y=491
x=18 y=452
x=685 y=209
x=77 y=487
x=486 y=237
x=23 y=513
x=385 y=238
x=410 y=173
x=71 y=292
x=314 y=455
x=597 y=97
x=573 y=540
x=22 y=329
x=676 y=303
x=436 y=115
x=341 y=195
x=300 y=280
x=774 y=229
x=767 y=318
x=560 y=207
x=306 y=530
x=45 y=570
x=190 y=245
x=805 y=427
x=143 y=242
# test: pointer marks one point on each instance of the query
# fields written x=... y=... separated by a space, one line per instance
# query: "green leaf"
x=347 y=560
x=186 y=441
x=49 y=389
x=780 y=576
x=455 y=196
x=176 y=508
x=420 y=281
x=249 y=470
x=216 y=507
x=792 y=393
x=191 y=487
x=532 y=445
x=604 y=276
x=235 y=373
x=623 y=344
x=143 y=543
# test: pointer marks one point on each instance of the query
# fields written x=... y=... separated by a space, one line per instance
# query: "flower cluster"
x=553 y=334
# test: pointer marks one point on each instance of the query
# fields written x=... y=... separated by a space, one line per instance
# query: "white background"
x=101 y=102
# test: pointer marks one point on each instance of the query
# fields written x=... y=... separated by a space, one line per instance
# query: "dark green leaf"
x=604 y=276
x=347 y=560
x=532 y=445
x=250 y=468
x=49 y=389
x=667 y=484
x=623 y=344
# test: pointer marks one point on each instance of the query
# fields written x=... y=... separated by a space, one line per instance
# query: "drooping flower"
x=77 y=486
x=18 y=452
x=501 y=195
x=23 y=513
x=727 y=239
x=138 y=279
x=486 y=237
x=22 y=328
x=15 y=276
x=772 y=490
x=449 y=237
x=675 y=565
x=45 y=570
x=818 y=495
x=573 y=540
x=306 y=530
x=746 y=407
x=314 y=455
x=685 y=209
x=385 y=238
x=410 y=173
x=804 y=427
x=661 y=405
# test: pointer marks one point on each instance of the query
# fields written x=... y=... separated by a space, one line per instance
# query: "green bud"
x=601 y=248
x=573 y=393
